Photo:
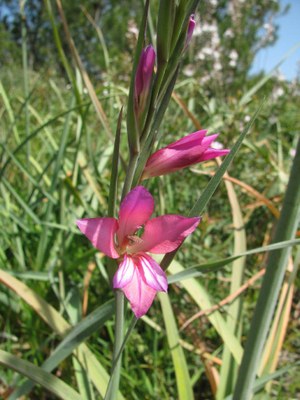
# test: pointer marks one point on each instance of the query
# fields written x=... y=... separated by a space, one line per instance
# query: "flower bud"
x=143 y=79
x=190 y=30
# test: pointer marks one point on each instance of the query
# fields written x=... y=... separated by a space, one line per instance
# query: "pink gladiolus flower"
x=191 y=27
x=143 y=78
x=189 y=150
x=138 y=275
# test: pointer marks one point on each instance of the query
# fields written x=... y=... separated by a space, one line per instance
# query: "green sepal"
x=165 y=28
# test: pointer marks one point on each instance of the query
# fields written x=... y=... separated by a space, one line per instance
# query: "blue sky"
x=289 y=36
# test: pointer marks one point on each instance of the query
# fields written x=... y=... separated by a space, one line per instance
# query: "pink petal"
x=213 y=153
x=208 y=153
x=152 y=274
x=165 y=234
x=208 y=140
x=135 y=210
x=188 y=141
x=139 y=294
x=124 y=273
x=101 y=232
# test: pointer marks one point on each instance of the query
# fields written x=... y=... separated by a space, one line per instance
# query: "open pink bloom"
x=189 y=150
x=138 y=275
x=143 y=78
x=191 y=27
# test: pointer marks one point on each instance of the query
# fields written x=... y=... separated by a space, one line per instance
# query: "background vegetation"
x=55 y=166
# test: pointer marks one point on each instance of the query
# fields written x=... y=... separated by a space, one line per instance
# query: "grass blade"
x=24 y=35
x=59 y=326
x=261 y=382
x=248 y=95
x=20 y=201
x=92 y=93
x=57 y=167
x=272 y=281
x=9 y=112
x=199 y=270
x=48 y=381
x=234 y=311
x=202 y=299
x=281 y=319
x=71 y=341
x=183 y=381
x=37 y=131
x=83 y=383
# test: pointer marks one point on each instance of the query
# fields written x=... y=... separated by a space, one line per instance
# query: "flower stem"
x=113 y=385
x=130 y=174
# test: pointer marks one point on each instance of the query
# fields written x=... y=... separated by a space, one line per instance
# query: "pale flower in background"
x=233 y=55
x=229 y=33
x=189 y=70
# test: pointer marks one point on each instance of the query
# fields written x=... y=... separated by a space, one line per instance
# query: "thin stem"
x=130 y=174
x=115 y=166
x=113 y=385
x=128 y=333
x=25 y=73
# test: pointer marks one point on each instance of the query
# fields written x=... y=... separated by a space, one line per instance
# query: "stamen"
x=135 y=239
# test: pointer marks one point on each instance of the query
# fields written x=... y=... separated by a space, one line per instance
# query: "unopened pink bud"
x=189 y=150
x=191 y=27
x=143 y=78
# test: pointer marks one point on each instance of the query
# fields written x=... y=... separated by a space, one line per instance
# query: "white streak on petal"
x=124 y=274
x=152 y=273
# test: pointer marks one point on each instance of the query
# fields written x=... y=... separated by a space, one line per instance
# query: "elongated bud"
x=189 y=150
x=190 y=30
x=143 y=79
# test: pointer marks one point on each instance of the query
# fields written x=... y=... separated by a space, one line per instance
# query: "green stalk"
x=271 y=285
x=126 y=338
x=183 y=380
x=165 y=27
x=113 y=385
x=130 y=174
x=147 y=144
x=112 y=199
x=25 y=73
x=115 y=166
